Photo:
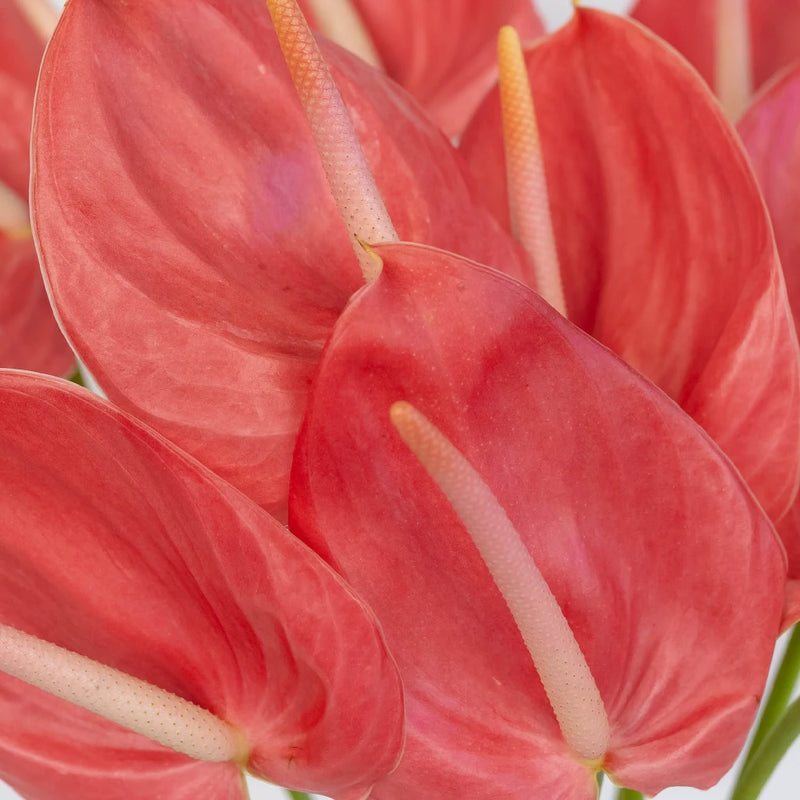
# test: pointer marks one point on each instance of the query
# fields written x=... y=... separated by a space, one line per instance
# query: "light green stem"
x=629 y=794
x=779 y=694
x=761 y=766
x=298 y=795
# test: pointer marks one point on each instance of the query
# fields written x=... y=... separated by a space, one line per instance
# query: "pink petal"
x=665 y=246
x=200 y=264
x=770 y=131
x=118 y=546
x=21 y=50
x=646 y=534
x=444 y=53
x=774 y=34
x=29 y=336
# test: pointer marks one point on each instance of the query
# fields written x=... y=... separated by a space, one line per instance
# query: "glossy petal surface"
x=774 y=29
x=666 y=251
x=646 y=534
x=443 y=52
x=118 y=546
x=201 y=263
x=770 y=131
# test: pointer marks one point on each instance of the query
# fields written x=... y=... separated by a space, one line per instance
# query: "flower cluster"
x=421 y=469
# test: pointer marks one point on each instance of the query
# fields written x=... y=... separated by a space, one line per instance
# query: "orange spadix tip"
x=528 y=201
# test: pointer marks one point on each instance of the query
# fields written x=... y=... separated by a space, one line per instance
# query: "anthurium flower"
x=644 y=532
x=199 y=265
x=442 y=52
x=736 y=45
x=662 y=240
x=29 y=336
x=120 y=548
x=770 y=131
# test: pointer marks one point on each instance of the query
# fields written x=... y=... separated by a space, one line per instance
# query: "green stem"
x=629 y=794
x=766 y=758
x=779 y=695
x=298 y=795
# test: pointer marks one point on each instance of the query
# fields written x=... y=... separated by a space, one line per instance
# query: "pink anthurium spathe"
x=662 y=239
x=645 y=533
x=770 y=130
x=29 y=336
x=200 y=264
x=729 y=42
x=118 y=547
x=442 y=52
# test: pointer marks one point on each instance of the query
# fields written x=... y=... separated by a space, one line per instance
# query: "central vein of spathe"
x=557 y=656
x=349 y=177
x=133 y=703
x=528 y=200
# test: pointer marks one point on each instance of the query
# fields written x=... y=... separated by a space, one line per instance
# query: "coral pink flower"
x=644 y=532
x=663 y=242
x=119 y=547
x=224 y=269
x=29 y=336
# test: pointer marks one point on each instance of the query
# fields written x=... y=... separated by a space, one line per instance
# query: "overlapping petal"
x=21 y=49
x=770 y=131
x=442 y=52
x=118 y=546
x=774 y=33
x=666 y=251
x=200 y=263
x=29 y=336
x=646 y=534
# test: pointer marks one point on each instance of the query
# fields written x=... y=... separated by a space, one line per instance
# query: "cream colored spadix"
x=349 y=177
x=733 y=69
x=340 y=21
x=135 y=704
x=528 y=201
x=562 y=667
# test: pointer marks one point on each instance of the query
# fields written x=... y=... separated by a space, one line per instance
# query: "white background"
x=785 y=784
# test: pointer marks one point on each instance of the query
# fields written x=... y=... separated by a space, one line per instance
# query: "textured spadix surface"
x=117 y=546
x=652 y=544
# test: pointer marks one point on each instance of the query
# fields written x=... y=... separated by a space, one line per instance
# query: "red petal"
x=770 y=131
x=200 y=263
x=135 y=555
x=665 y=246
x=646 y=534
x=774 y=33
x=29 y=336
x=444 y=53
x=21 y=51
